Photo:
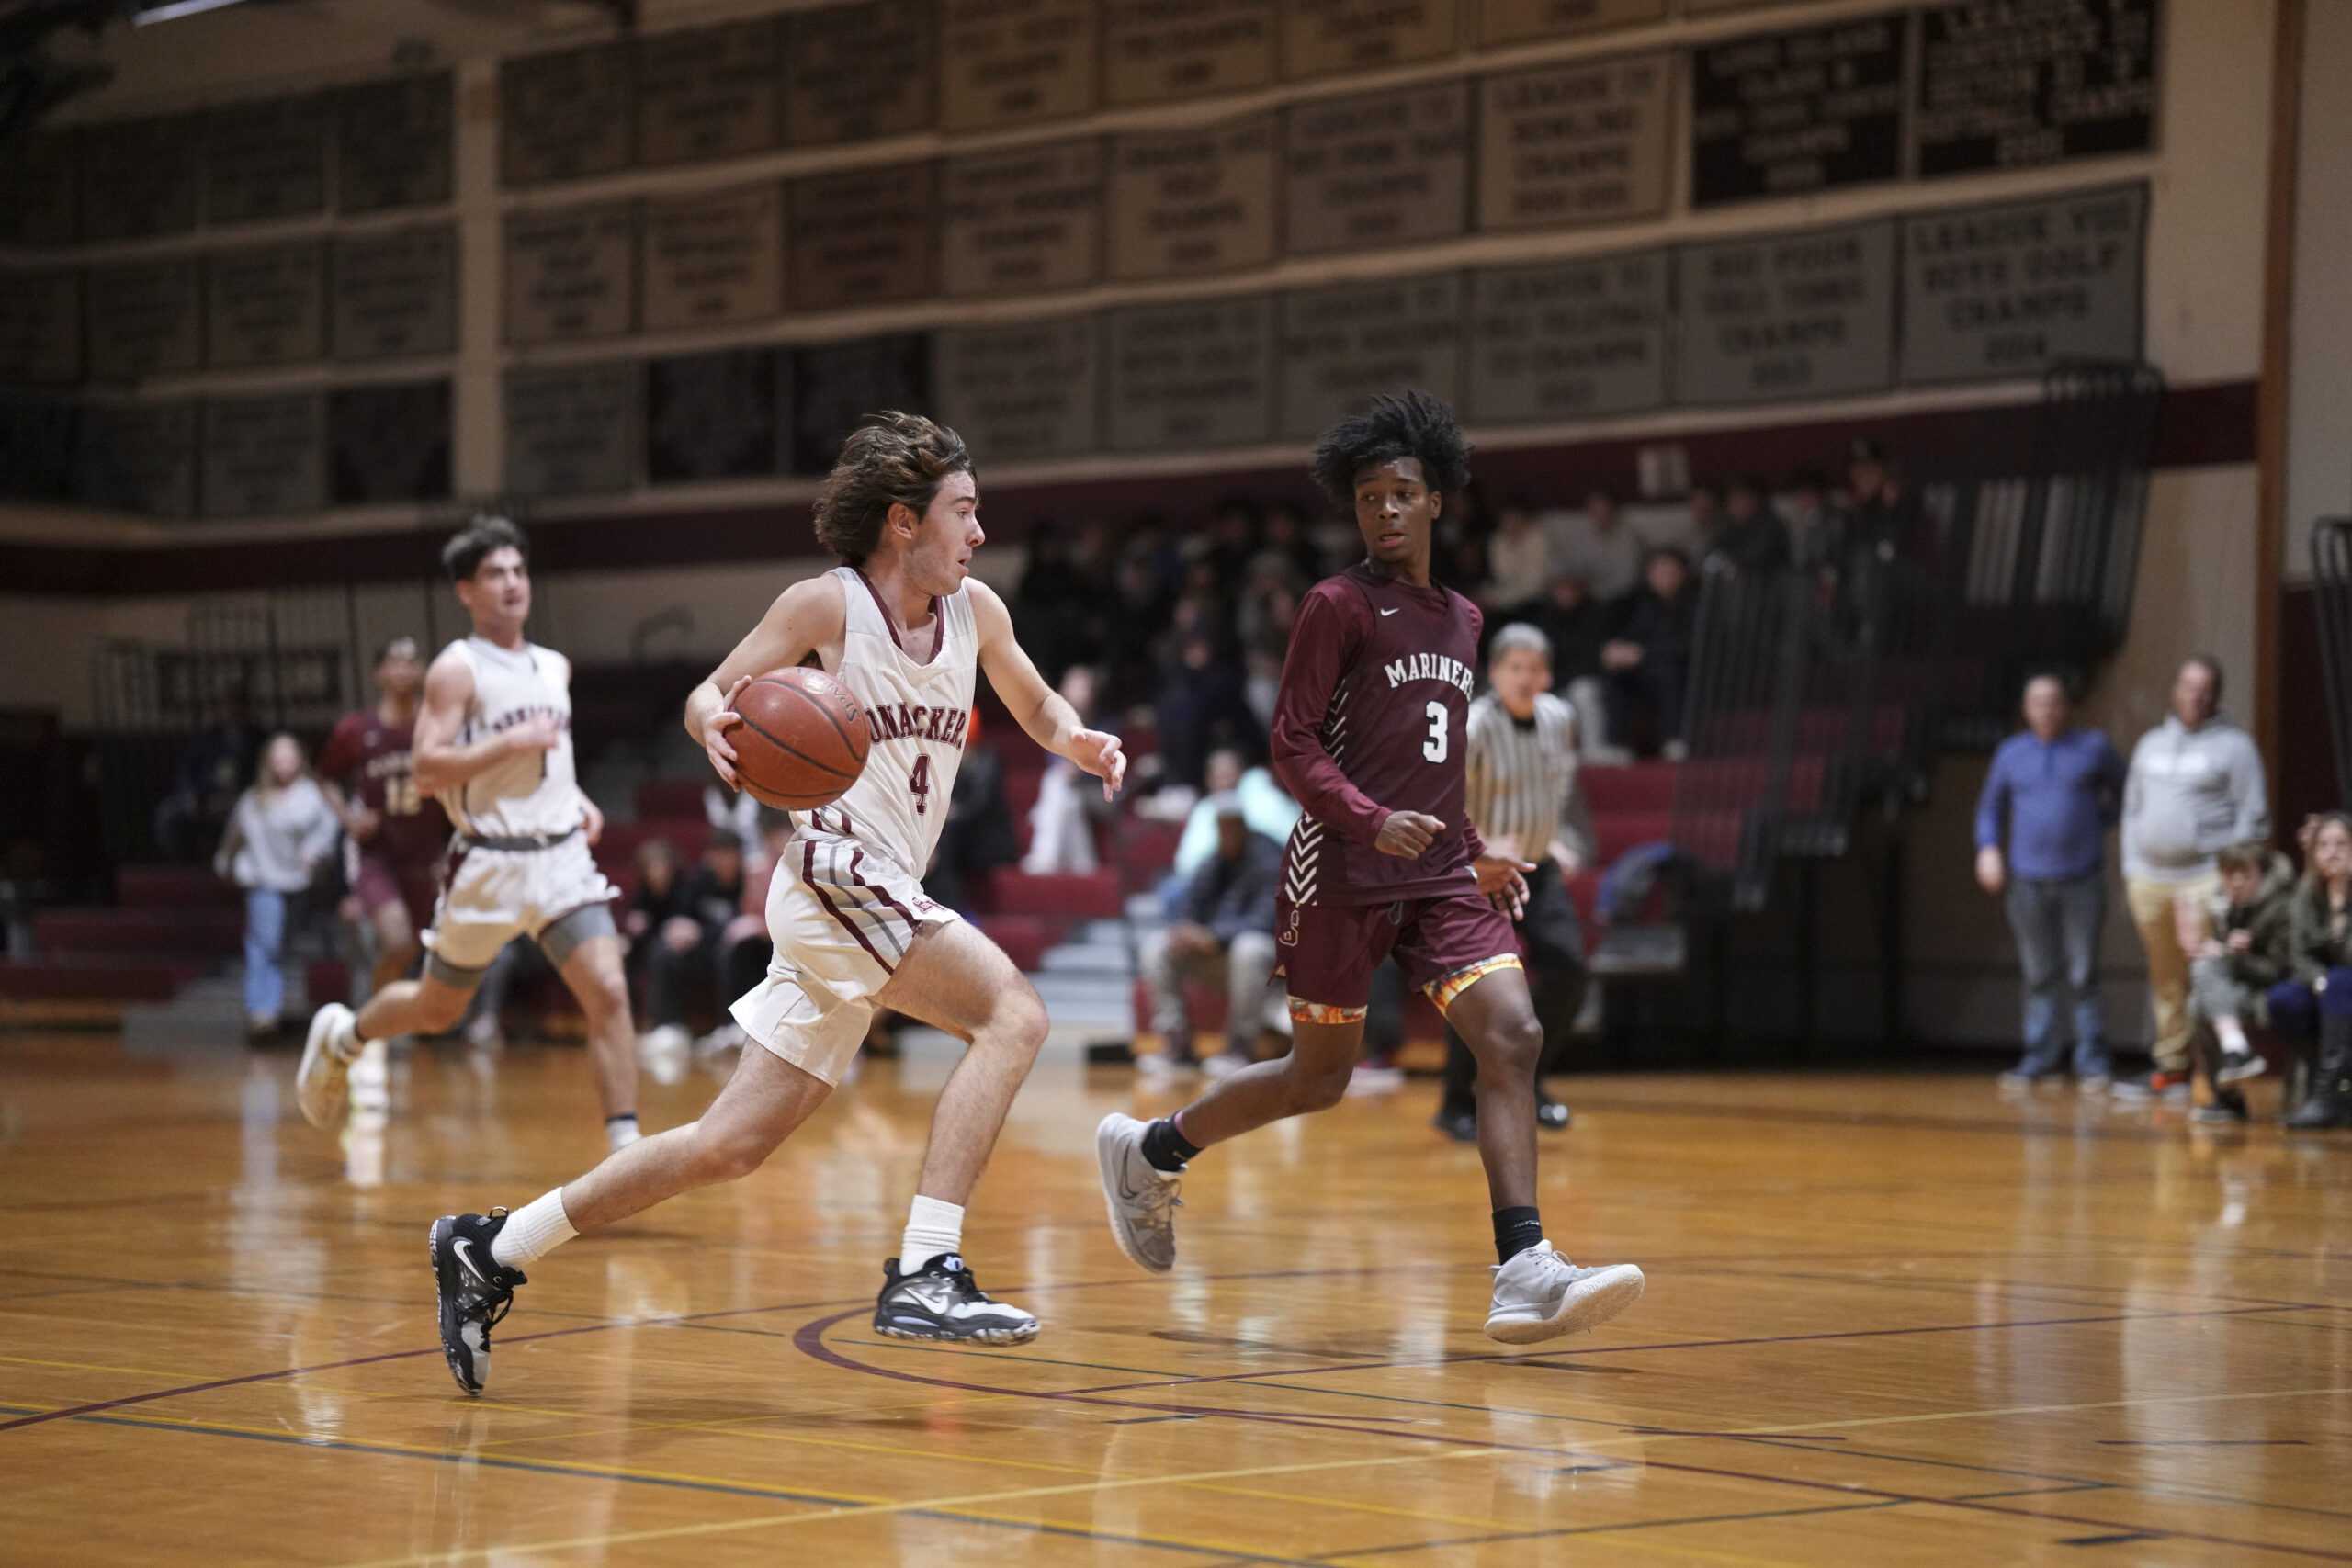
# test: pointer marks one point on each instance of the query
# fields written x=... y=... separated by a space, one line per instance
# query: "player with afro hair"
x=1396 y=425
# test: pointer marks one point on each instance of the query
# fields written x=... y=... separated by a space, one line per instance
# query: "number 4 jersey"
x=919 y=711
x=1370 y=718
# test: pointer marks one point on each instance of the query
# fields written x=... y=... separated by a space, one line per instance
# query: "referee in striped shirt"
x=1525 y=801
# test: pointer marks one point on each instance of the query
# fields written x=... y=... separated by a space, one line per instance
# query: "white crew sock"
x=532 y=1232
x=2232 y=1034
x=620 y=1131
x=932 y=1227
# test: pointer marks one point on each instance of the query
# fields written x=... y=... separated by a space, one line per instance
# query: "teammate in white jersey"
x=900 y=625
x=493 y=745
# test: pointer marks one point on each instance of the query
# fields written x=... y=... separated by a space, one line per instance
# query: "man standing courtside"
x=1368 y=735
x=492 y=744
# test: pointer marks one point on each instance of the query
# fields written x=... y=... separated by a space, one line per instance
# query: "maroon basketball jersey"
x=370 y=760
x=1375 y=696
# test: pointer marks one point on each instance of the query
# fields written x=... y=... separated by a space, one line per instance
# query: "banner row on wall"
x=1998 y=86
x=231 y=457
x=371 y=148
x=1992 y=292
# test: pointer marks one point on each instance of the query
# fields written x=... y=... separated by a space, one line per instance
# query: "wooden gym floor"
x=1891 y=1319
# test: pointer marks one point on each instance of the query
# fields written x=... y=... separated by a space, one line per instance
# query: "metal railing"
x=2331 y=595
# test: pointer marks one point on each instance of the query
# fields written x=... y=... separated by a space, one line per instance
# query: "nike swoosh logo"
x=1387 y=612
x=464 y=1250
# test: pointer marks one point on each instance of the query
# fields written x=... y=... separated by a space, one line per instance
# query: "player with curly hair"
x=903 y=625
x=1368 y=735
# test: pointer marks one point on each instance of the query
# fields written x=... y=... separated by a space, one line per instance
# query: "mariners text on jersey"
x=1430 y=667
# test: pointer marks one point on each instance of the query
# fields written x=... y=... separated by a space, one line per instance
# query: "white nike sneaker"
x=1540 y=1295
x=325 y=1077
x=1142 y=1199
x=940 y=1301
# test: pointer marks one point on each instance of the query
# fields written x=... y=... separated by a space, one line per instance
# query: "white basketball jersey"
x=918 y=711
x=531 y=794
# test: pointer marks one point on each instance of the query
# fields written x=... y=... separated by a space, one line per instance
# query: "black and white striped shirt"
x=1522 y=787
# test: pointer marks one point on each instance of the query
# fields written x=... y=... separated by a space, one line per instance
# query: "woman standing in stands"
x=279 y=832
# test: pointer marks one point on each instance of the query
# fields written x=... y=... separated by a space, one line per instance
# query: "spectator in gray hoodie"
x=2195 y=787
x=278 y=833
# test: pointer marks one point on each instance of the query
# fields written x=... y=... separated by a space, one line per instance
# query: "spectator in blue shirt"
x=2056 y=790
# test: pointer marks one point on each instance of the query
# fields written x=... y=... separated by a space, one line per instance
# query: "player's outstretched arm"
x=808 y=617
x=1043 y=713
x=436 y=760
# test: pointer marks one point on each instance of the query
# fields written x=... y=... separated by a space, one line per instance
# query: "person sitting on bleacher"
x=1265 y=804
x=2241 y=942
x=1526 y=801
x=1221 y=933
x=683 y=956
x=1649 y=659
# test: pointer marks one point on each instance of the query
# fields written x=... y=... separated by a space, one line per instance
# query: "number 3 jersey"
x=1370 y=719
x=918 y=711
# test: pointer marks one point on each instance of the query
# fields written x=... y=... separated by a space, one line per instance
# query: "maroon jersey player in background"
x=400 y=834
x=1368 y=735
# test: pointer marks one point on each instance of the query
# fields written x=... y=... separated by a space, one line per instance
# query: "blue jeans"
x=2057 y=926
x=2295 y=1007
x=265 y=941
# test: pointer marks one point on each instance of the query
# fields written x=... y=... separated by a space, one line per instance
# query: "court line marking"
x=961 y=1505
x=826 y=1504
x=811 y=1340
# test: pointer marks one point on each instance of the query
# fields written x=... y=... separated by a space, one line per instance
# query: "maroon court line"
x=1584 y=1352
x=100 y=1405
x=809 y=1340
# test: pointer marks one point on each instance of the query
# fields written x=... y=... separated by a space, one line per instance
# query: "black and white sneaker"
x=940 y=1302
x=476 y=1292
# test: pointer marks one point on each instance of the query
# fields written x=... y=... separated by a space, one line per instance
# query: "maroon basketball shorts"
x=1444 y=945
x=381 y=880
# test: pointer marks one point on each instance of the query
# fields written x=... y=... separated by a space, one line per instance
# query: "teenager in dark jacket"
x=2242 y=943
x=1649 y=659
x=2315 y=1000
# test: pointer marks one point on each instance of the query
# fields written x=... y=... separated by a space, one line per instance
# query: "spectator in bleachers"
x=2196 y=785
x=744 y=947
x=1528 y=805
x=1265 y=806
x=1232 y=537
x=1648 y=659
x=278 y=833
x=1577 y=629
x=1702 y=522
x=1221 y=934
x=1204 y=704
x=2316 y=1001
x=981 y=834
x=1139 y=611
x=2053 y=790
x=1061 y=823
x=1289 y=532
x=213 y=770
x=1811 y=527
x=1752 y=536
x=2243 y=939
x=1519 y=564
x=682 y=959
x=1050 y=604
x=1269 y=603
x=1598 y=547
x=1883 y=520
x=659 y=898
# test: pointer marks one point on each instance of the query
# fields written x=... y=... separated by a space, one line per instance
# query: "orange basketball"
x=803 y=740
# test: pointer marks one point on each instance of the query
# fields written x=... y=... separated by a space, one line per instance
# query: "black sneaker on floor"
x=1462 y=1126
x=2227 y=1109
x=1551 y=1115
x=476 y=1292
x=940 y=1301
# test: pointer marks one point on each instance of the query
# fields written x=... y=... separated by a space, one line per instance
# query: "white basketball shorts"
x=842 y=917
x=494 y=895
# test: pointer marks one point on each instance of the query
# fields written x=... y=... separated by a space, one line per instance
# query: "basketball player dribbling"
x=1367 y=734
x=901 y=626
x=492 y=744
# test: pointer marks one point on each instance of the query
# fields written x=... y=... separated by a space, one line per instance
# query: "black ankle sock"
x=1165 y=1148
x=1516 y=1230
